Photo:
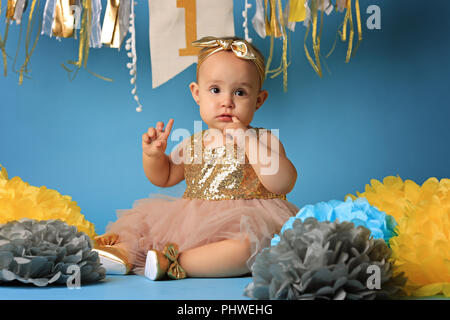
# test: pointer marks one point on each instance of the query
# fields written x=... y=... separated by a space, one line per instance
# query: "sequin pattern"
x=221 y=173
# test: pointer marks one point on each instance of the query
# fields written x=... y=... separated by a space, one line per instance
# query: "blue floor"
x=134 y=287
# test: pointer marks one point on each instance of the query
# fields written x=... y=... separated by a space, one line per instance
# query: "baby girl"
x=232 y=206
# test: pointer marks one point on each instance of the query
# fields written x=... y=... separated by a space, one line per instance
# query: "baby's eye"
x=214 y=90
x=240 y=92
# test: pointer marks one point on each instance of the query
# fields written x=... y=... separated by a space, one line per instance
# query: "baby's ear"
x=262 y=96
x=194 y=91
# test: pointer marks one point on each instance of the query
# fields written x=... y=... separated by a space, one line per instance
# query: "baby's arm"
x=176 y=167
x=275 y=171
x=163 y=171
x=156 y=168
x=159 y=168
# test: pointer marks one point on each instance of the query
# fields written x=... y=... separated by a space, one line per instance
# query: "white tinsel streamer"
x=77 y=9
x=341 y=5
x=47 y=20
x=20 y=7
x=124 y=18
x=131 y=47
x=308 y=14
x=325 y=6
x=95 y=38
x=245 y=24
x=258 y=19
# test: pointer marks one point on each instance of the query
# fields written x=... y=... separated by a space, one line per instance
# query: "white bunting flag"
x=175 y=24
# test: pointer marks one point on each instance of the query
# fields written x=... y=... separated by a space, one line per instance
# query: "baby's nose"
x=228 y=101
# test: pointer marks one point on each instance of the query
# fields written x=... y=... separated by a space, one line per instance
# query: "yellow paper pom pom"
x=391 y=196
x=3 y=174
x=422 y=248
x=20 y=200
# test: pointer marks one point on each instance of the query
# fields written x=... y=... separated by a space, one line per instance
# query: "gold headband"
x=240 y=48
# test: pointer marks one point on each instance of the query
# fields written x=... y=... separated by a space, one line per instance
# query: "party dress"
x=223 y=199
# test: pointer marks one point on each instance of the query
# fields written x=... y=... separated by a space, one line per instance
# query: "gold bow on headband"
x=239 y=47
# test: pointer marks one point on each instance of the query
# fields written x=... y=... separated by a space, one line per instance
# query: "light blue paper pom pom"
x=358 y=211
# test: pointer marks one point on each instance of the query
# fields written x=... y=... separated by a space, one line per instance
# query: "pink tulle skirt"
x=155 y=221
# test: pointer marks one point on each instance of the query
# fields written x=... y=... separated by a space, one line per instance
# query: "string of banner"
x=81 y=20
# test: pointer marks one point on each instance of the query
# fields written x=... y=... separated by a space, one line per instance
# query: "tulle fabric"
x=161 y=218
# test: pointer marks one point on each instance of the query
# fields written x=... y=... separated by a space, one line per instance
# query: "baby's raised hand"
x=154 y=141
x=235 y=130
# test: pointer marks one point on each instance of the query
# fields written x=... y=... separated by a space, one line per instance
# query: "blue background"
x=384 y=113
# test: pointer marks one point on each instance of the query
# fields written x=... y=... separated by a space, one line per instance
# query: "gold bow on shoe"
x=175 y=271
x=107 y=239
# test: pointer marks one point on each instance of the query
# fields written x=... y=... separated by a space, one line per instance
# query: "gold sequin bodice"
x=220 y=173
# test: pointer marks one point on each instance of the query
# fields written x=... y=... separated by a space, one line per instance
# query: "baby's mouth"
x=226 y=118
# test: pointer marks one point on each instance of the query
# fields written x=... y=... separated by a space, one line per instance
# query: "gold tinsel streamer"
x=2 y=48
x=297 y=10
x=269 y=31
x=83 y=47
x=17 y=52
x=348 y=20
x=275 y=28
x=422 y=247
x=9 y=15
x=110 y=28
x=358 y=23
x=23 y=68
x=315 y=39
x=63 y=22
x=272 y=27
x=10 y=9
x=20 y=200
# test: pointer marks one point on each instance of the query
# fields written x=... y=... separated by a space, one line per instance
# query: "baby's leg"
x=225 y=258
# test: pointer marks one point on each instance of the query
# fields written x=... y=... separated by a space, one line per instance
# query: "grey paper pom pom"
x=324 y=260
x=46 y=252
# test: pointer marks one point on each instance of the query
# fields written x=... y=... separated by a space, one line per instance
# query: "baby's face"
x=227 y=84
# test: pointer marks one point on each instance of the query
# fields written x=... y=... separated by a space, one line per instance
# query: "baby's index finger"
x=168 y=128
